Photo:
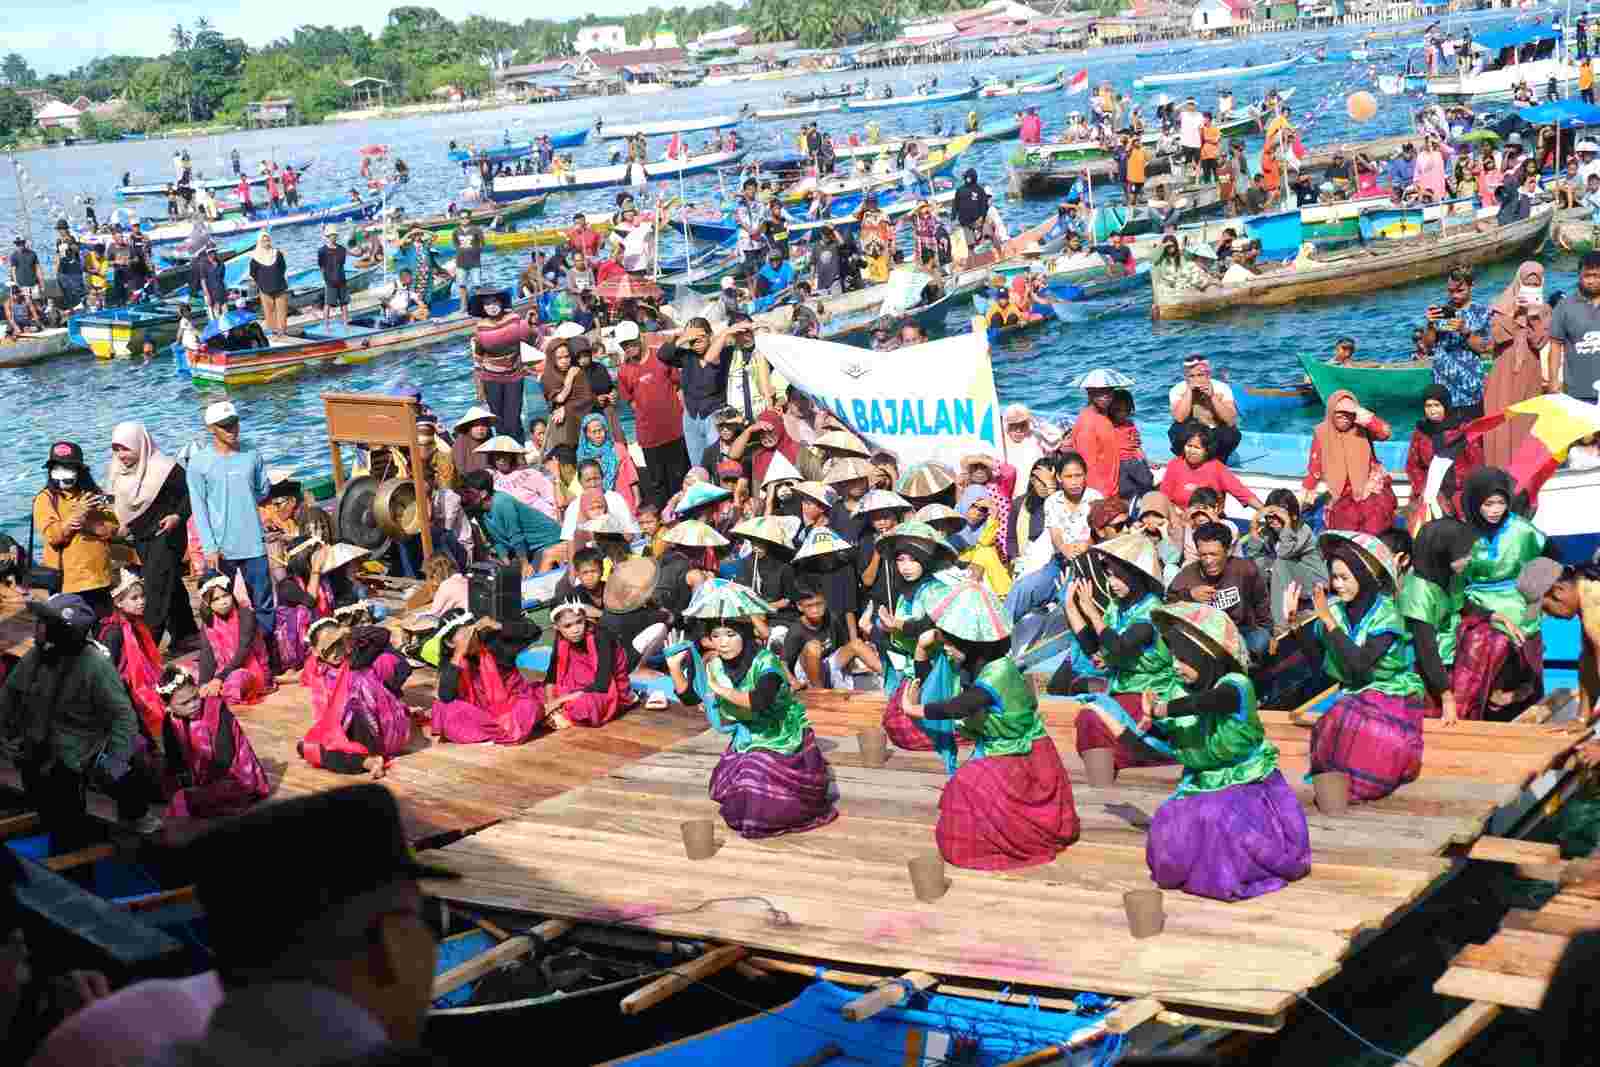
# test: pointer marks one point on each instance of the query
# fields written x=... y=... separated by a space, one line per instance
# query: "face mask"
x=63 y=476
x=1532 y=294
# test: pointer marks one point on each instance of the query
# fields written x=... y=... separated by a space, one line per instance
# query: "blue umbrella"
x=228 y=320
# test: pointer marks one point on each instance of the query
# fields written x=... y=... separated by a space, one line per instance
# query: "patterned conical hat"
x=822 y=542
x=924 y=480
x=883 y=500
x=780 y=470
x=932 y=513
x=692 y=533
x=971 y=613
x=698 y=496
x=501 y=443
x=774 y=531
x=842 y=441
x=1373 y=552
x=605 y=525
x=1136 y=550
x=718 y=598
x=921 y=532
x=846 y=469
x=1209 y=627
x=817 y=493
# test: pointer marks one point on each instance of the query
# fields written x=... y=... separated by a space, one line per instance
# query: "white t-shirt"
x=1591 y=167
x=1189 y=125
x=1073 y=522
x=1219 y=389
x=616 y=507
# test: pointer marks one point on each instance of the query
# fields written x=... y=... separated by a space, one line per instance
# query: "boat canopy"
x=1569 y=113
x=1515 y=36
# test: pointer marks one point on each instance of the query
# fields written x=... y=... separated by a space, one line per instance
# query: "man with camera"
x=1458 y=333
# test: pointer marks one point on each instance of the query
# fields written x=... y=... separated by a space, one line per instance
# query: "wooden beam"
x=1532 y=859
x=1454 y=1035
x=1133 y=1013
x=159 y=900
x=1544 y=709
x=887 y=995
x=69 y=860
x=1509 y=990
x=744 y=969
x=17 y=825
x=498 y=956
x=682 y=976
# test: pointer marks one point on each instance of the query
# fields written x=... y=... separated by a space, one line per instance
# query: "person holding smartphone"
x=1458 y=334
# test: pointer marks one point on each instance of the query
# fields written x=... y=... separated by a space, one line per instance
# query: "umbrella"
x=970 y=612
x=627 y=287
x=774 y=531
x=1101 y=378
x=692 y=533
x=228 y=320
x=718 y=598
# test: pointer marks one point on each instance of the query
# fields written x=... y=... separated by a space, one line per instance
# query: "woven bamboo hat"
x=970 y=612
x=718 y=598
x=924 y=480
x=1207 y=626
x=692 y=533
x=1137 y=551
x=774 y=531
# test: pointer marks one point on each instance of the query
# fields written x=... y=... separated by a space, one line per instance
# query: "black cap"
x=64 y=609
x=66 y=453
x=325 y=849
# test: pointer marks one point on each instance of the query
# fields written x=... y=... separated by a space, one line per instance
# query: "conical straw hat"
x=1208 y=627
x=971 y=613
x=692 y=533
x=718 y=598
x=1136 y=550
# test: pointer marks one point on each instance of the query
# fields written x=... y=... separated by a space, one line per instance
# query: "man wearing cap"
x=1588 y=160
x=650 y=388
x=65 y=720
x=226 y=484
x=329 y=961
x=335 y=290
x=971 y=208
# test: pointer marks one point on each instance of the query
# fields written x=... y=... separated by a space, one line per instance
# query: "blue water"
x=79 y=398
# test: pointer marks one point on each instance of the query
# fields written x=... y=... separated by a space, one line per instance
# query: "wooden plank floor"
x=611 y=852
x=1513 y=968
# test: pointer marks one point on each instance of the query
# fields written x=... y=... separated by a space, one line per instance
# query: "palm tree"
x=180 y=38
x=772 y=20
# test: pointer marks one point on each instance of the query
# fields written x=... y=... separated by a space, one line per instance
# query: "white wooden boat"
x=618 y=132
x=33 y=348
x=1218 y=73
x=517 y=186
x=800 y=111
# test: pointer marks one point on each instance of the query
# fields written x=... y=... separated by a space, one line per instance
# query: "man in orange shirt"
x=1138 y=159
x=1210 y=145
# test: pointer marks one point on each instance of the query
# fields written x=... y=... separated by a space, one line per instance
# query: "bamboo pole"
x=682 y=977
x=501 y=954
x=887 y=995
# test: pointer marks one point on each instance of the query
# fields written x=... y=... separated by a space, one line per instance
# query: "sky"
x=58 y=35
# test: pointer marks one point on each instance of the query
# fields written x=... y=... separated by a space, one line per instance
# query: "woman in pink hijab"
x=1519 y=328
x=1429 y=176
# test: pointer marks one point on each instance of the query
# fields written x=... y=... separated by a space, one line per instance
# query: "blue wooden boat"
x=518 y=186
x=911 y=100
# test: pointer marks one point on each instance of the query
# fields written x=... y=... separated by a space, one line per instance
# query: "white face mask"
x=1532 y=294
x=63 y=476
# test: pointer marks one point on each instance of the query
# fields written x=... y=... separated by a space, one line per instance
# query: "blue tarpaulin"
x=1568 y=113
x=1516 y=35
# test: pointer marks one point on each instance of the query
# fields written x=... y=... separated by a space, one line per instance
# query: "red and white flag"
x=675 y=146
x=1079 y=82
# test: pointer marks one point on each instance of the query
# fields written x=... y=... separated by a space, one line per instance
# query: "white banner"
x=929 y=401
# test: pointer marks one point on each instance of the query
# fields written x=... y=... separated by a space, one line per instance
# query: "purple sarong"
x=763 y=794
x=1230 y=844
x=1373 y=737
x=292 y=622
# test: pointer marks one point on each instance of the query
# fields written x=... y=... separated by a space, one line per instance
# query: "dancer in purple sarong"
x=1234 y=829
x=211 y=770
x=772 y=779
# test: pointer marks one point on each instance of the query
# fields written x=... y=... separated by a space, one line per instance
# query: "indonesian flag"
x=675 y=146
x=1079 y=83
x=1559 y=422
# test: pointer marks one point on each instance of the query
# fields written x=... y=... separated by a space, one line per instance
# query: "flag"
x=675 y=146
x=1079 y=83
x=1560 y=421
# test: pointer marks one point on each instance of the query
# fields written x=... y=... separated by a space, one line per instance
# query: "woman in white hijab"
x=151 y=499
x=270 y=273
x=1027 y=437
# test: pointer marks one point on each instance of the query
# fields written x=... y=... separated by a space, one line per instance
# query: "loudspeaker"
x=495 y=591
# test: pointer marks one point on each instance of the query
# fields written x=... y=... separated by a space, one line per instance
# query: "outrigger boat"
x=1218 y=73
x=128 y=192
x=911 y=100
x=489 y=215
x=619 y=132
x=1361 y=270
x=30 y=348
x=518 y=186
x=312 y=214
x=500 y=153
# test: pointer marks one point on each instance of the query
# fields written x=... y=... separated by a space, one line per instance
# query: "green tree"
x=772 y=20
x=17 y=72
x=16 y=115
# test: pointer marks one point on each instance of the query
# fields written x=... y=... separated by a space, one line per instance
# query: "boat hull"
x=662 y=129
x=1216 y=74
x=910 y=101
x=1389 y=386
x=33 y=348
x=176 y=232
x=519 y=186
x=259 y=366
x=130 y=192
x=1362 y=272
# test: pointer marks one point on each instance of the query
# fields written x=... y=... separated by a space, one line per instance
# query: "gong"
x=355 y=515
x=395 y=508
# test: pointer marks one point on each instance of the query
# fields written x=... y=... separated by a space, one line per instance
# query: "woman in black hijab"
x=1431 y=600
x=1438 y=435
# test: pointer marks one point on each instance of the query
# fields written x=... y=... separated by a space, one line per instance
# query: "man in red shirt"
x=242 y=190
x=274 y=193
x=291 y=187
x=582 y=238
x=650 y=388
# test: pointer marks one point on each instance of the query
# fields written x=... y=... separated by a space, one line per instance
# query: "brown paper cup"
x=1333 y=792
x=1100 y=767
x=927 y=876
x=1146 y=916
x=874 y=747
x=699 y=838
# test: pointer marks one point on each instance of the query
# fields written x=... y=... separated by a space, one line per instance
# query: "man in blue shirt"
x=1458 y=333
x=513 y=528
x=1402 y=169
x=226 y=483
x=773 y=280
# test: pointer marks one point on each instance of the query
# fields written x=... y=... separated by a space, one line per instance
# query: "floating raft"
x=611 y=852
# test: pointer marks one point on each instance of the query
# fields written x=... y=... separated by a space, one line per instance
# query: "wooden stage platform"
x=611 y=852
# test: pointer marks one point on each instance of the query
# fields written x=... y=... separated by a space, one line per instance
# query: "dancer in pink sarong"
x=233 y=658
x=210 y=769
x=482 y=696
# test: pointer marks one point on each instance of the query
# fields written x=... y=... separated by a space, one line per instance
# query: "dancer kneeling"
x=211 y=770
x=1373 y=731
x=304 y=595
x=1125 y=638
x=772 y=779
x=588 y=680
x=1010 y=805
x=922 y=575
x=355 y=682
x=233 y=656
x=482 y=695
x=1234 y=829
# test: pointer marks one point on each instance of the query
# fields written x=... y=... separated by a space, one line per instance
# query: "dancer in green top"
x=1010 y=805
x=1431 y=599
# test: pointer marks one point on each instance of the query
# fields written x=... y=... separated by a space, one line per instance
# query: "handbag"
x=40 y=577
